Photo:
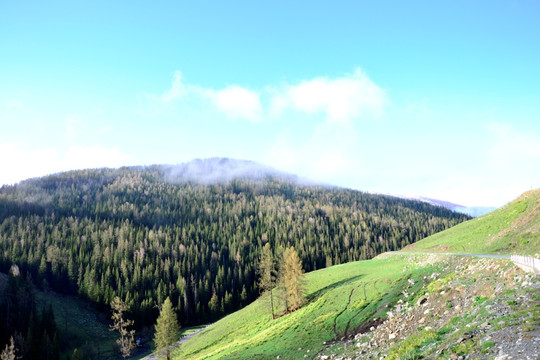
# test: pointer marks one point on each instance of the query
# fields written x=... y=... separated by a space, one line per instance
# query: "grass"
x=512 y=229
x=339 y=299
x=409 y=349
x=80 y=325
x=343 y=298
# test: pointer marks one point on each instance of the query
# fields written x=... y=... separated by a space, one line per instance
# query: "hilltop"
x=402 y=305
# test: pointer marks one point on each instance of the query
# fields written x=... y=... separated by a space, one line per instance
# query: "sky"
x=416 y=98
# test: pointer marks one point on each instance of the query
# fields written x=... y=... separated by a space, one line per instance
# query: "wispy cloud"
x=177 y=89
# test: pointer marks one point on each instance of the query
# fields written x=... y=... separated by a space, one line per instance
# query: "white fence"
x=527 y=263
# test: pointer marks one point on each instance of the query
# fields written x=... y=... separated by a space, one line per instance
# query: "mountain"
x=473 y=211
x=192 y=232
x=403 y=305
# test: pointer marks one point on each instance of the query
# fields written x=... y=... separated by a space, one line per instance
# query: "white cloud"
x=237 y=102
x=20 y=161
x=340 y=100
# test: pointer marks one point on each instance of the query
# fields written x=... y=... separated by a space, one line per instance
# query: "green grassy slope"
x=343 y=300
x=340 y=299
x=512 y=229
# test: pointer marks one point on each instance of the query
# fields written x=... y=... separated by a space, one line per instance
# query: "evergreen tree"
x=167 y=328
x=135 y=234
x=120 y=324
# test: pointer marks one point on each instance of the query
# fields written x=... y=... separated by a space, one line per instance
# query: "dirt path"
x=491 y=256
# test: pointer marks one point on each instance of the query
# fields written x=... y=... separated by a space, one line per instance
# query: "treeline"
x=142 y=235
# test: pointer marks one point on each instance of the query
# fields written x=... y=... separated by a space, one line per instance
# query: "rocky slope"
x=469 y=309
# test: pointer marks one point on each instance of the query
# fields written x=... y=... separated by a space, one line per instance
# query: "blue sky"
x=438 y=99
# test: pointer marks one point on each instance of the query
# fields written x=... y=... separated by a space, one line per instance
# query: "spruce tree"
x=166 y=329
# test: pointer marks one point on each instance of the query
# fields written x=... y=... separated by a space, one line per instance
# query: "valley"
x=146 y=234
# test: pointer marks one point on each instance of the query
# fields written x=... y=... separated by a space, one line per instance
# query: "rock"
x=372 y=328
x=485 y=325
x=426 y=312
x=278 y=357
x=466 y=336
x=411 y=281
x=299 y=349
x=325 y=357
x=392 y=336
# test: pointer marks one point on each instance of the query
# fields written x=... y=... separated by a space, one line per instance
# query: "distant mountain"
x=473 y=211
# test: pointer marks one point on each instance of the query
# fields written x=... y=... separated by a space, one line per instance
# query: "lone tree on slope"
x=267 y=276
x=166 y=329
x=292 y=277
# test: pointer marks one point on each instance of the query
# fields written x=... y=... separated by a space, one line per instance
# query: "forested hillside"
x=145 y=233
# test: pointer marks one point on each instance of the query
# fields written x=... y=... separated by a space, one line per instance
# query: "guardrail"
x=527 y=263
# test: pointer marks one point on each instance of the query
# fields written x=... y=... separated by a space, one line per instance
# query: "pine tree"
x=120 y=324
x=292 y=279
x=167 y=328
x=267 y=279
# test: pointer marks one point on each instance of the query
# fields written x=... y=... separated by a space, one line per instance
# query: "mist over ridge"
x=219 y=170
